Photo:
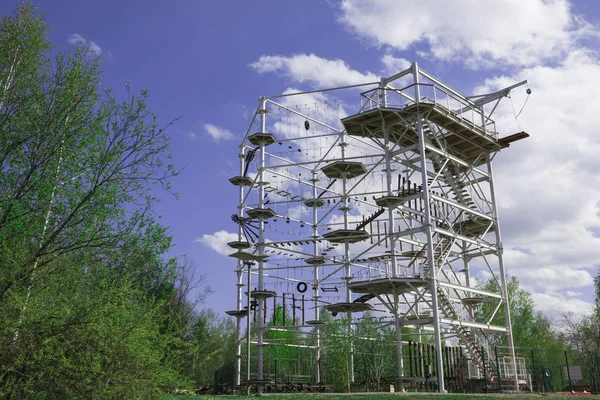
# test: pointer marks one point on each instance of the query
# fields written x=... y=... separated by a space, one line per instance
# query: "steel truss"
x=386 y=209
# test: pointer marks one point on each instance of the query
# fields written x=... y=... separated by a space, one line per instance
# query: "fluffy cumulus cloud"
x=320 y=72
x=393 y=65
x=557 y=306
x=218 y=241
x=314 y=70
x=217 y=134
x=547 y=185
x=571 y=293
x=78 y=40
x=479 y=33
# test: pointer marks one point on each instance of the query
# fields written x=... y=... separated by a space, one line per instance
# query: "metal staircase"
x=471 y=225
x=472 y=344
x=442 y=248
x=475 y=344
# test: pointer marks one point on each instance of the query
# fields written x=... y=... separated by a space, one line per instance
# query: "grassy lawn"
x=390 y=396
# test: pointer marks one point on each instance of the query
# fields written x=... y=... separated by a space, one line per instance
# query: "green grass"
x=390 y=396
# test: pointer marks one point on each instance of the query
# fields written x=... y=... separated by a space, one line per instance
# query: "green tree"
x=533 y=332
x=89 y=304
x=90 y=332
x=525 y=326
x=335 y=363
x=213 y=345
x=283 y=351
x=597 y=287
x=77 y=168
x=583 y=334
x=375 y=349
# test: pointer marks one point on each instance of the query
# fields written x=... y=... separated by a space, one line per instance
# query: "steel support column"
x=511 y=345
x=347 y=277
x=428 y=233
x=316 y=296
x=240 y=283
x=261 y=250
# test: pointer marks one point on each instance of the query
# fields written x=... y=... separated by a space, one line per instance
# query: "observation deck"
x=458 y=123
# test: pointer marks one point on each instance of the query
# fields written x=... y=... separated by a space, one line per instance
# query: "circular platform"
x=264 y=213
x=241 y=181
x=259 y=138
x=315 y=322
x=346 y=235
x=245 y=256
x=349 y=307
x=237 y=313
x=239 y=245
x=262 y=294
x=315 y=260
x=314 y=203
x=344 y=169
x=389 y=201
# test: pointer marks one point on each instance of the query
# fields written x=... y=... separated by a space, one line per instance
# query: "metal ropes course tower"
x=381 y=201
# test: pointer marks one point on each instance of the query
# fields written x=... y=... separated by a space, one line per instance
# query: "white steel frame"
x=442 y=226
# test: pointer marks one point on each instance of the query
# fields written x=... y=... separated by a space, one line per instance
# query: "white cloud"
x=218 y=241
x=393 y=65
x=94 y=47
x=557 y=306
x=478 y=33
x=317 y=71
x=192 y=135
x=217 y=134
x=547 y=185
x=549 y=278
x=78 y=40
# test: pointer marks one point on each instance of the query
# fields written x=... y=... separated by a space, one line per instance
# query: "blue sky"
x=201 y=60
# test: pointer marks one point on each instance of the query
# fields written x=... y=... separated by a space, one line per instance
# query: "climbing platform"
x=344 y=169
x=349 y=307
x=241 y=181
x=245 y=256
x=346 y=235
x=239 y=244
x=264 y=213
x=389 y=285
x=237 y=313
x=260 y=138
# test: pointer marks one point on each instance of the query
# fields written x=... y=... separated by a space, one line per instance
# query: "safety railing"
x=373 y=270
x=445 y=102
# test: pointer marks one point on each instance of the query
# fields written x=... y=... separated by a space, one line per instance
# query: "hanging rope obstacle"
x=248 y=227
